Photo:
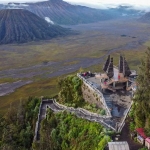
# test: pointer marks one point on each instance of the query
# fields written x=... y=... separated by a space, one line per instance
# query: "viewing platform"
x=116 y=86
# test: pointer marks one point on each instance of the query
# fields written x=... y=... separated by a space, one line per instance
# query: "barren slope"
x=19 y=26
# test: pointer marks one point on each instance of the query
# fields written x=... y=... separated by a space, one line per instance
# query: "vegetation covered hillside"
x=71 y=94
x=70 y=91
x=18 y=125
x=140 y=112
x=58 y=131
x=64 y=131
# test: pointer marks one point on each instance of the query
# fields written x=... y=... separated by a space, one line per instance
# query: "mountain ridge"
x=145 y=18
x=21 y=26
x=61 y=12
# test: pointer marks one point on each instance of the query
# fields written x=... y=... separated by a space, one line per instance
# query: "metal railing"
x=123 y=122
x=38 y=123
x=87 y=115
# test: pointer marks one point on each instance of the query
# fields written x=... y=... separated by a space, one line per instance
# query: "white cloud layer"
x=137 y=4
x=20 y=1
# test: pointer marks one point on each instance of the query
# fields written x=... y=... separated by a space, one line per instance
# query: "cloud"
x=20 y=1
x=103 y=4
x=49 y=20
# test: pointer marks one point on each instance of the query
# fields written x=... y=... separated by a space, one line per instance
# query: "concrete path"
x=79 y=112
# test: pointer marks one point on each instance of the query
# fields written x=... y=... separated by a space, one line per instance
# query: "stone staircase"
x=108 y=101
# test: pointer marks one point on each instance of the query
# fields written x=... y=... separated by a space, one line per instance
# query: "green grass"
x=147 y=43
x=41 y=88
x=91 y=44
x=5 y=80
x=133 y=57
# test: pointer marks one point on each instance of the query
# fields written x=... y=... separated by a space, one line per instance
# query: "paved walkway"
x=125 y=136
x=79 y=112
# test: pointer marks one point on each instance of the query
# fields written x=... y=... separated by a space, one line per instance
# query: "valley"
x=44 y=61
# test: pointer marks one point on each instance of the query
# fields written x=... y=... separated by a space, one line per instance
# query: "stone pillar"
x=100 y=80
x=114 y=84
x=127 y=84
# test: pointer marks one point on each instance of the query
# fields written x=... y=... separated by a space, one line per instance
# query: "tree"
x=143 y=80
x=141 y=108
x=72 y=133
x=17 y=126
x=102 y=144
x=70 y=90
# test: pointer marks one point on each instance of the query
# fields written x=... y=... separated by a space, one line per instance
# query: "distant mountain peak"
x=20 y=26
x=145 y=18
x=62 y=12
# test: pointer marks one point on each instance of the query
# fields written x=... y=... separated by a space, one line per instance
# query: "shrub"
x=144 y=148
x=103 y=112
x=132 y=126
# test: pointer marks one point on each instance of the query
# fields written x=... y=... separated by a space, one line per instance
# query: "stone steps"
x=108 y=101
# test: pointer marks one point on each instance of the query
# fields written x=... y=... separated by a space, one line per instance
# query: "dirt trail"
x=125 y=136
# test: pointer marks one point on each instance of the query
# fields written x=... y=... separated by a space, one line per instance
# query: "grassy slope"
x=147 y=43
x=5 y=80
x=41 y=88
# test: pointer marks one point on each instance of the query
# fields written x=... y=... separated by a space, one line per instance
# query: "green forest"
x=61 y=131
x=64 y=131
x=140 y=112
x=18 y=124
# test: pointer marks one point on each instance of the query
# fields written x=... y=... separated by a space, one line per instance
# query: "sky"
x=137 y=4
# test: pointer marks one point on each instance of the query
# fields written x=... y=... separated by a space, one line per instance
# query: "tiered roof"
x=123 y=67
x=106 y=63
x=121 y=64
x=110 y=69
x=126 y=69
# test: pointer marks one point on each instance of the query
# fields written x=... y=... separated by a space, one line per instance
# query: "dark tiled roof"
x=106 y=63
x=110 y=69
x=121 y=64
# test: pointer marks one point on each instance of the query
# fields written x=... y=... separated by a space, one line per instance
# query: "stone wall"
x=100 y=101
x=91 y=96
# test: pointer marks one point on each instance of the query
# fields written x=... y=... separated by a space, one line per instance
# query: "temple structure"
x=111 y=91
x=115 y=78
